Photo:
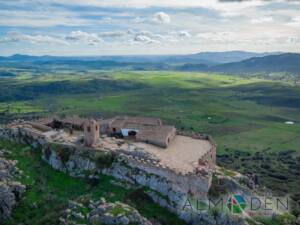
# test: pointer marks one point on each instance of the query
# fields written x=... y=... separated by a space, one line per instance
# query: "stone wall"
x=211 y=156
x=194 y=184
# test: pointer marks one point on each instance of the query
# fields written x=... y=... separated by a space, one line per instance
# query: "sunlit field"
x=246 y=116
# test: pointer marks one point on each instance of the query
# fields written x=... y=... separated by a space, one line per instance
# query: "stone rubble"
x=116 y=213
x=10 y=190
x=101 y=212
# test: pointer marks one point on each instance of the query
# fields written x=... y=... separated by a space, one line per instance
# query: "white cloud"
x=293 y=39
x=163 y=38
x=184 y=34
x=34 y=39
x=212 y=4
x=231 y=14
x=40 y=18
x=177 y=25
x=84 y=37
x=161 y=17
x=108 y=37
x=294 y=22
x=113 y=34
x=254 y=40
x=262 y=20
x=145 y=37
x=220 y=37
x=139 y=19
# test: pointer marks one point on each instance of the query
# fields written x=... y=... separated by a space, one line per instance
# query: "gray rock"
x=123 y=220
x=4 y=152
x=78 y=215
x=106 y=213
x=7 y=201
x=74 y=205
x=10 y=190
x=94 y=219
x=102 y=200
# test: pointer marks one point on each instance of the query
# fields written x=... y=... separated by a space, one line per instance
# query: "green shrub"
x=105 y=160
x=64 y=154
x=217 y=188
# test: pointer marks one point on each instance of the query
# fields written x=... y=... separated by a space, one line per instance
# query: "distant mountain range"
x=225 y=62
x=209 y=58
x=230 y=56
x=288 y=62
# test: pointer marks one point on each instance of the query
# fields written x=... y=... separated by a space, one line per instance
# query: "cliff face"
x=10 y=190
x=164 y=187
x=161 y=182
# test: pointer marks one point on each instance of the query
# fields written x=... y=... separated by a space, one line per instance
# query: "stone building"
x=142 y=129
x=73 y=122
x=91 y=132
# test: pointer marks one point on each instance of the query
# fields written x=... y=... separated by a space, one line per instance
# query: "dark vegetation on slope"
x=272 y=168
x=6 y=74
x=12 y=91
x=244 y=114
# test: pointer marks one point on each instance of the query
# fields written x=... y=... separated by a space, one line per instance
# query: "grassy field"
x=243 y=115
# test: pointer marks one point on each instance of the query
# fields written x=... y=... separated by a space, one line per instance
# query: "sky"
x=142 y=27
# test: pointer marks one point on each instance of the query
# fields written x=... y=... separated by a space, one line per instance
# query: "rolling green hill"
x=289 y=62
x=246 y=116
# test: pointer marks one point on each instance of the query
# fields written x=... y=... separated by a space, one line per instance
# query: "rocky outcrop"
x=74 y=164
x=10 y=190
x=215 y=218
x=116 y=213
x=101 y=212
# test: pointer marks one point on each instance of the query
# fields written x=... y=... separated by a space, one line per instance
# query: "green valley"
x=246 y=116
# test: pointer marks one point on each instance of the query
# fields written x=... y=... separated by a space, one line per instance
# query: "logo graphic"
x=236 y=204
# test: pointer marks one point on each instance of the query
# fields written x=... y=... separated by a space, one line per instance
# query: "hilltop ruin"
x=137 y=150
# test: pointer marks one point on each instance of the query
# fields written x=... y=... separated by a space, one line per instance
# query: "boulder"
x=116 y=213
